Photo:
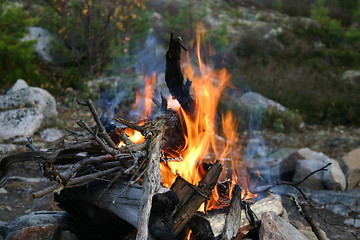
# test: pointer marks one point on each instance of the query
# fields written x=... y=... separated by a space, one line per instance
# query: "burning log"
x=95 y=178
x=191 y=197
x=233 y=219
x=174 y=77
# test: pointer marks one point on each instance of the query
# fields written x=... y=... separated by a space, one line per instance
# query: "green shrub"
x=286 y=121
x=90 y=33
x=17 y=59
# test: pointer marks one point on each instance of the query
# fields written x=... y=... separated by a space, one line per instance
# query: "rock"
x=42 y=100
x=339 y=203
x=35 y=226
x=51 y=134
x=19 y=122
x=334 y=178
x=274 y=227
x=21 y=95
x=306 y=166
x=299 y=165
x=23 y=109
x=306 y=231
x=8 y=148
x=288 y=166
x=20 y=84
x=255 y=103
x=273 y=160
x=44 y=45
x=307 y=153
x=3 y=191
x=351 y=163
x=351 y=77
x=353 y=222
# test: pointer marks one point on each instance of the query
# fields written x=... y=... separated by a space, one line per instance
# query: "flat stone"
x=353 y=222
x=339 y=203
x=51 y=134
x=19 y=122
x=351 y=163
x=274 y=227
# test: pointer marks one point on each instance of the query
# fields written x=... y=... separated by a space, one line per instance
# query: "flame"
x=188 y=237
x=201 y=135
x=143 y=102
x=200 y=128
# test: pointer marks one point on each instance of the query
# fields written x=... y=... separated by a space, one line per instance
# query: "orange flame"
x=200 y=133
x=200 y=129
x=144 y=102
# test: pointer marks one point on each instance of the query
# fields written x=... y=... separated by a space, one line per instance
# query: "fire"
x=142 y=104
x=200 y=128
x=202 y=138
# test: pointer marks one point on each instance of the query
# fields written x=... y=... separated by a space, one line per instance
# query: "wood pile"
x=105 y=184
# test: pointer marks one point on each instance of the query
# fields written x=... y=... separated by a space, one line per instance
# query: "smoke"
x=151 y=57
x=256 y=154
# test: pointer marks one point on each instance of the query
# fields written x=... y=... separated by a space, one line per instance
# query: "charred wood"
x=120 y=203
x=191 y=197
x=174 y=77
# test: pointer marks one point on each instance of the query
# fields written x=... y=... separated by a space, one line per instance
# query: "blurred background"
x=304 y=55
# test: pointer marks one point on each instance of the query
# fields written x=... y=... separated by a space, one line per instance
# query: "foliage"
x=89 y=32
x=300 y=71
x=17 y=59
x=286 y=121
x=331 y=28
x=183 y=18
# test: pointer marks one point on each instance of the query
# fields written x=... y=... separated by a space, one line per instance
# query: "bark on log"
x=152 y=176
x=191 y=197
x=121 y=201
x=233 y=219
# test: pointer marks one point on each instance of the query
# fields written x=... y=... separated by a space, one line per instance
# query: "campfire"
x=172 y=175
